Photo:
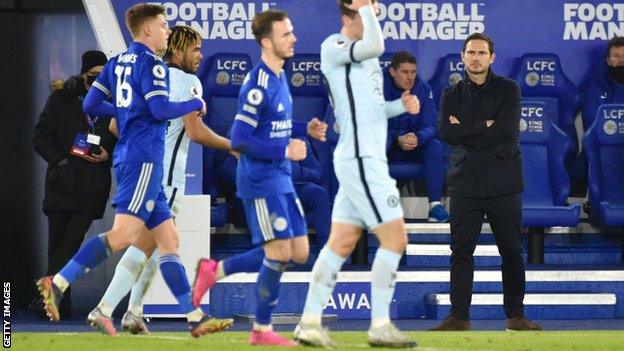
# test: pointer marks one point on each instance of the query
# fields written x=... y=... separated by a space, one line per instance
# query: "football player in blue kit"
x=135 y=270
x=264 y=132
x=137 y=83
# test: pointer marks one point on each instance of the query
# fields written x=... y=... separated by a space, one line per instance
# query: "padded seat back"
x=544 y=147
x=540 y=76
x=604 y=145
x=450 y=70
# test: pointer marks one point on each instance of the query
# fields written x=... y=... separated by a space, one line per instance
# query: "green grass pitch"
x=235 y=341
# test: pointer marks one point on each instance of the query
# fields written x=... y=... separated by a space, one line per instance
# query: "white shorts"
x=367 y=196
x=173 y=199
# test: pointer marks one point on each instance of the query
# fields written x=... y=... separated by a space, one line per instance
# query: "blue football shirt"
x=130 y=80
x=265 y=103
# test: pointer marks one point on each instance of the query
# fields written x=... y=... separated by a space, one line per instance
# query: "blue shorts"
x=367 y=196
x=140 y=192
x=275 y=217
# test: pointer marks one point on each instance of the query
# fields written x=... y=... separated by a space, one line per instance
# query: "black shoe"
x=452 y=324
x=521 y=323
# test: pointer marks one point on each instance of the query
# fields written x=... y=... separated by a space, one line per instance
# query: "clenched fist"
x=296 y=150
x=411 y=103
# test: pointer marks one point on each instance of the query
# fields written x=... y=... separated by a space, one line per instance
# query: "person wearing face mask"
x=78 y=178
x=607 y=86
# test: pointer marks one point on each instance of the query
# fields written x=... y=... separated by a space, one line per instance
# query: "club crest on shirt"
x=149 y=205
x=158 y=71
x=195 y=91
x=340 y=44
x=280 y=224
x=255 y=96
x=393 y=201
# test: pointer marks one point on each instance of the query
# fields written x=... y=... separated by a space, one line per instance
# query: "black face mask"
x=90 y=79
x=616 y=73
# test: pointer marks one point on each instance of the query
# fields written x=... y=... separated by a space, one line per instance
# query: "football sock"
x=92 y=253
x=126 y=274
x=383 y=275
x=267 y=289
x=175 y=276
x=135 y=304
x=249 y=262
x=324 y=275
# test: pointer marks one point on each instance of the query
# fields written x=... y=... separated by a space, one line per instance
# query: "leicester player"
x=262 y=131
x=367 y=197
x=134 y=271
x=137 y=83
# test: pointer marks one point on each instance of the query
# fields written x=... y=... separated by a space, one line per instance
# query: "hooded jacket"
x=602 y=90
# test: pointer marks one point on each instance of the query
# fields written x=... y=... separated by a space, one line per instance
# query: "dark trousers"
x=66 y=230
x=505 y=216
x=432 y=155
x=316 y=205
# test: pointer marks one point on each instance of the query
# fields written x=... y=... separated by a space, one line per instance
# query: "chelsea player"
x=262 y=131
x=134 y=271
x=138 y=84
x=367 y=197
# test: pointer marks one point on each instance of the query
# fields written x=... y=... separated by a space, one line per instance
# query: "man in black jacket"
x=479 y=117
x=78 y=178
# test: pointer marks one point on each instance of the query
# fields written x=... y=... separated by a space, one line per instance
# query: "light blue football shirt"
x=182 y=87
x=356 y=92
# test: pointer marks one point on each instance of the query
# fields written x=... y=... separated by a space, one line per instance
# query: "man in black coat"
x=479 y=117
x=78 y=178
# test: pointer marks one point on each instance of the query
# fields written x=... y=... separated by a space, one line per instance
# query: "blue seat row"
x=548 y=137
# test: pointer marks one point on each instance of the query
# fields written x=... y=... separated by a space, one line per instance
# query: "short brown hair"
x=402 y=57
x=262 y=26
x=479 y=36
x=614 y=43
x=180 y=39
x=139 y=13
x=345 y=11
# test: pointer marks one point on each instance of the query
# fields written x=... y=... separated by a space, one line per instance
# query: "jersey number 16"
x=124 y=89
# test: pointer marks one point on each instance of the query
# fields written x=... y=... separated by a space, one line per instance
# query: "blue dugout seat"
x=309 y=94
x=222 y=76
x=450 y=70
x=546 y=181
x=547 y=185
x=541 y=77
x=604 y=145
x=307 y=87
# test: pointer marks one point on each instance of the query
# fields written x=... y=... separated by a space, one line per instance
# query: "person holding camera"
x=77 y=149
